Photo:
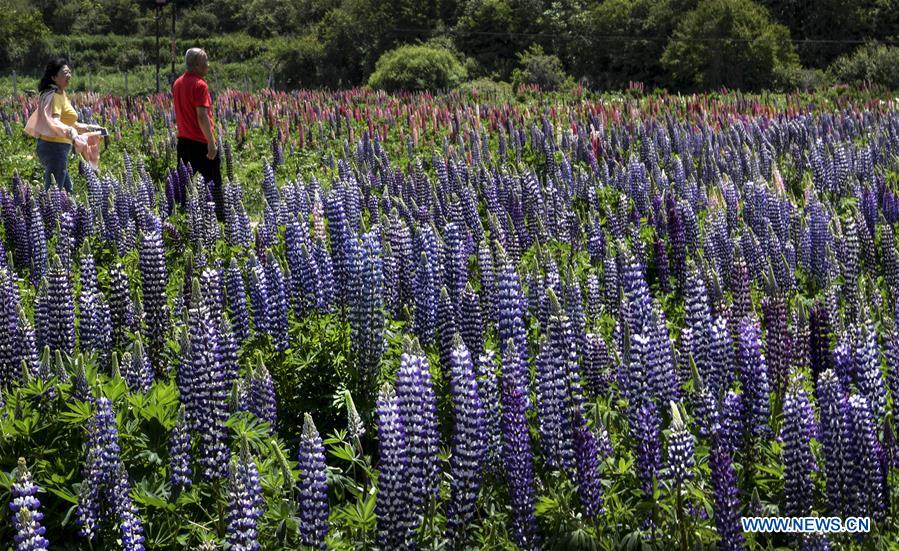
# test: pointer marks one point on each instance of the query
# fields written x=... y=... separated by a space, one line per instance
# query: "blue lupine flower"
x=469 y=447
x=797 y=431
x=418 y=409
x=753 y=379
x=394 y=507
x=181 y=474
x=836 y=441
x=26 y=510
x=518 y=461
x=726 y=497
x=244 y=504
x=313 y=488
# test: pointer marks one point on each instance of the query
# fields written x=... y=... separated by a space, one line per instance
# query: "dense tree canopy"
x=675 y=44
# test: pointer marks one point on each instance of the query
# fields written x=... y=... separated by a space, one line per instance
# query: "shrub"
x=871 y=63
x=417 y=67
x=543 y=70
x=730 y=43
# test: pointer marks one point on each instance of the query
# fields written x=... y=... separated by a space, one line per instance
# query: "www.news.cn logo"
x=806 y=525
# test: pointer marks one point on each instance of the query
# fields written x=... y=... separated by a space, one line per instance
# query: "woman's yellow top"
x=60 y=105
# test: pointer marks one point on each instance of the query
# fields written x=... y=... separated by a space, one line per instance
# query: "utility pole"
x=159 y=6
x=174 y=55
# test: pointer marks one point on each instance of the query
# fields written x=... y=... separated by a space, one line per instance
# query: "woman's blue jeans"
x=55 y=158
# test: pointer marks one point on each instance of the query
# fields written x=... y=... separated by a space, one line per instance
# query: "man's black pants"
x=194 y=153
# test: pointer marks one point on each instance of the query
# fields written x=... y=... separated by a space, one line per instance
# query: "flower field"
x=449 y=322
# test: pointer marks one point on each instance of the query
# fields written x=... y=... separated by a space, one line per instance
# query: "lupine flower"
x=27 y=515
x=471 y=322
x=551 y=378
x=648 y=452
x=797 y=431
x=587 y=459
x=155 y=279
x=60 y=310
x=753 y=380
x=179 y=451
x=870 y=375
x=836 y=439
x=680 y=449
x=261 y=400
x=244 y=504
x=396 y=515
x=128 y=521
x=366 y=304
x=418 y=410
x=518 y=463
x=865 y=470
x=511 y=322
x=489 y=394
x=237 y=301
x=726 y=497
x=313 y=488
x=469 y=447
x=276 y=309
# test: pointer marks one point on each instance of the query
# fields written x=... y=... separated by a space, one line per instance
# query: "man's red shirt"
x=189 y=92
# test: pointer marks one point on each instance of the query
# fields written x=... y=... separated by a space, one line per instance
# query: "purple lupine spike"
x=645 y=429
x=418 y=408
x=680 y=449
x=26 y=510
x=261 y=398
x=836 y=441
x=866 y=475
x=892 y=362
x=488 y=280
x=662 y=376
x=313 y=487
x=489 y=394
x=237 y=302
x=869 y=373
x=60 y=310
x=99 y=468
x=425 y=293
x=455 y=265
x=121 y=308
x=94 y=328
x=469 y=447
x=181 y=474
x=326 y=288
x=128 y=521
x=366 y=309
x=721 y=354
x=797 y=431
x=596 y=363
x=205 y=392
x=518 y=462
x=821 y=329
x=777 y=339
x=38 y=244
x=587 y=459
x=638 y=315
x=245 y=502
x=396 y=515
x=726 y=497
x=753 y=372
x=446 y=326
x=154 y=277
x=10 y=360
x=550 y=381
x=510 y=324
x=258 y=292
x=472 y=322
x=276 y=309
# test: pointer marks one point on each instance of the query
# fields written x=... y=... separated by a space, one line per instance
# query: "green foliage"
x=872 y=63
x=417 y=67
x=730 y=43
x=536 y=67
x=626 y=39
x=22 y=33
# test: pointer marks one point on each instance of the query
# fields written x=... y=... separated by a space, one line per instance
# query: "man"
x=193 y=116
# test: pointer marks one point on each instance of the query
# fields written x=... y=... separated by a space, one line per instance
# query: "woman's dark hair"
x=50 y=71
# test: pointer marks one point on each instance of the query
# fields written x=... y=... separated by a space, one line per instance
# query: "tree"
x=492 y=31
x=22 y=33
x=730 y=43
x=625 y=40
x=536 y=67
x=418 y=67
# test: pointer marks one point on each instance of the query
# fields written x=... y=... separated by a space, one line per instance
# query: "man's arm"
x=206 y=128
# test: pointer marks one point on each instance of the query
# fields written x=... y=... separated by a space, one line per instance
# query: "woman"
x=55 y=125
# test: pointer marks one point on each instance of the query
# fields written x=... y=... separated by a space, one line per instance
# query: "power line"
x=634 y=38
